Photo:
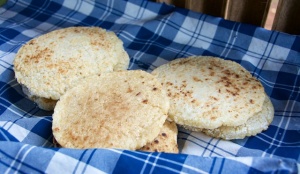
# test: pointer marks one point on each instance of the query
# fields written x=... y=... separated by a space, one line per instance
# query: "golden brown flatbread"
x=49 y=65
x=123 y=110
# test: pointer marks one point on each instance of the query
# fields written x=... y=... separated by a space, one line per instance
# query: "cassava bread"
x=124 y=110
x=49 y=65
x=210 y=92
x=256 y=124
x=166 y=141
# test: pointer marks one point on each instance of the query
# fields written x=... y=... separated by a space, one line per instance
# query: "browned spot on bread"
x=233 y=93
x=77 y=30
x=39 y=54
x=129 y=90
x=183 y=85
x=181 y=62
x=31 y=42
x=227 y=72
x=196 y=79
x=145 y=101
x=169 y=83
x=62 y=71
x=214 y=98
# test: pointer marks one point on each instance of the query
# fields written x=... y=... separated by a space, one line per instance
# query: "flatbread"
x=255 y=125
x=166 y=141
x=49 y=65
x=210 y=92
x=123 y=110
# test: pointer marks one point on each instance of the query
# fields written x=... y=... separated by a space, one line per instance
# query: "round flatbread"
x=256 y=124
x=116 y=110
x=49 y=65
x=209 y=92
x=166 y=141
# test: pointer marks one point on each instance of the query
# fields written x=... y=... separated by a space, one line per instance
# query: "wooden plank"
x=287 y=17
x=248 y=11
x=211 y=7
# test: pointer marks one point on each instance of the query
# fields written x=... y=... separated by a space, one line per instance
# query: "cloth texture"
x=153 y=34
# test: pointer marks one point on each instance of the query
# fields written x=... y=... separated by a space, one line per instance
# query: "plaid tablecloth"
x=153 y=34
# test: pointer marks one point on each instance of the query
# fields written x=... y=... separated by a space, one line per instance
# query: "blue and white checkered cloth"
x=153 y=34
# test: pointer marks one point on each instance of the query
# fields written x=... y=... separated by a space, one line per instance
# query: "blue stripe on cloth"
x=272 y=144
x=153 y=34
x=22 y=157
x=10 y=95
x=43 y=128
x=88 y=161
x=6 y=136
x=13 y=160
x=148 y=163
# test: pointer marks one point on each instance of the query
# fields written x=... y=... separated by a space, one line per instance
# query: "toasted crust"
x=116 y=110
x=52 y=63
x=166 y=141
x=209 y=92
x=256 y=124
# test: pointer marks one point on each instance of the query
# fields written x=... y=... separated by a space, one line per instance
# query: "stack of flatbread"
x=81 y=73
x=126 y=110
x=51 y=64
x=216 y=96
